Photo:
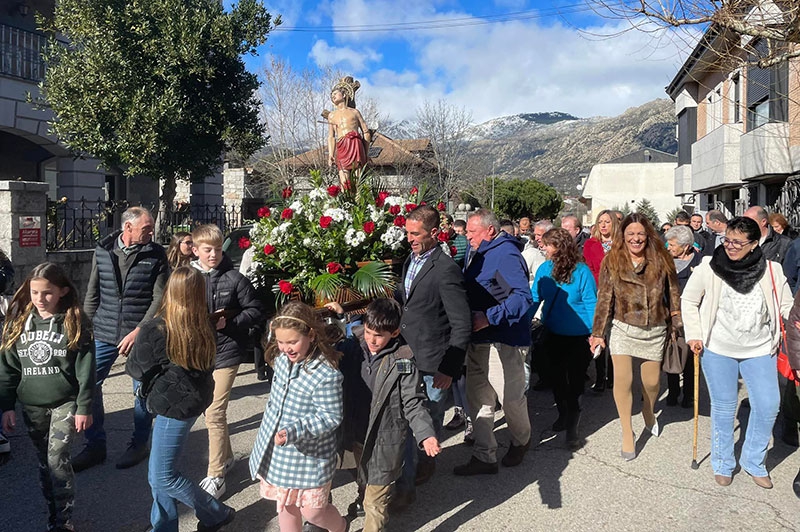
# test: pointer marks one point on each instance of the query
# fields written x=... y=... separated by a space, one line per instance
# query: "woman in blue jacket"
x=567 y=287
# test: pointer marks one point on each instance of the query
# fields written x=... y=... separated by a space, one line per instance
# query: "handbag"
x=676 y=353
x=784 y=368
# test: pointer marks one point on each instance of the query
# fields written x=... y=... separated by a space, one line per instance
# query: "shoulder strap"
x=777 y=301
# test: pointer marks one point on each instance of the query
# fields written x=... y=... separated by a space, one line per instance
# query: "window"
x=736 y=98
x=714 y=110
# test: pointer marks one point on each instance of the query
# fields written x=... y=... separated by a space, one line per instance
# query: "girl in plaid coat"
x=295 y=451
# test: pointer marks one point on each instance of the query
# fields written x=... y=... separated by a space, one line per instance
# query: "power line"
x=444 y=24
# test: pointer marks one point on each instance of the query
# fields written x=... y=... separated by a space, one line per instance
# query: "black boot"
x=796 y=485
x=560 y=423
x=574 y=442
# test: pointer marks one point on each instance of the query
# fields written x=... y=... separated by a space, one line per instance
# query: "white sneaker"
x=214 y=486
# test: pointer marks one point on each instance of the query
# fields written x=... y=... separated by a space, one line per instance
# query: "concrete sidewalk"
x=593 y=489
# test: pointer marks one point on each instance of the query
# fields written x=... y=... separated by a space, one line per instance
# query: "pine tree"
x=646 y=208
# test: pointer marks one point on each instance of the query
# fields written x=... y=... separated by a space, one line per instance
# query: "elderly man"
x=436 y=324
x=717 y=223
x=574 y=227
x=773 y=245
x=127 y=280
x=496 y=278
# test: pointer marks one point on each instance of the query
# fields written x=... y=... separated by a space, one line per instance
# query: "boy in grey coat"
x=383 y=396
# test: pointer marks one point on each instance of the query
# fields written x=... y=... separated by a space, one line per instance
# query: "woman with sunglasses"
x=732 y=307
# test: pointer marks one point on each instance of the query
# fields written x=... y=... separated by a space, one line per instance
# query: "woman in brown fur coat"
x=637 y=300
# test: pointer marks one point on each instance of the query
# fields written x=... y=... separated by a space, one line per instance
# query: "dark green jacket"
x=39 y=369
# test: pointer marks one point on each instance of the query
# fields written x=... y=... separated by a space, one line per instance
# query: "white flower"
x=393 y=237
x=318 y=193
x=338 y=215
x=307 y=242
x=394 y=200
x=297 y=207
x=354 y=238
x=375 y=214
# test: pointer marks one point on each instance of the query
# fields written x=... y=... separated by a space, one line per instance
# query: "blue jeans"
x=760 y=375
x=167 y=484
x=437 y=400
x=105 y=356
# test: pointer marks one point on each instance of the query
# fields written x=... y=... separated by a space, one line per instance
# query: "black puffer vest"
x=124 y=302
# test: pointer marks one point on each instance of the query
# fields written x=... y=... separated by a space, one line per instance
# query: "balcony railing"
x=21 y=53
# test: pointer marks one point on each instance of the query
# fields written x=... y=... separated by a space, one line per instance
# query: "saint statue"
x=348 y=135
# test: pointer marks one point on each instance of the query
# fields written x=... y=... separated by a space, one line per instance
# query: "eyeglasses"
x=734 y=244
x=187 y=242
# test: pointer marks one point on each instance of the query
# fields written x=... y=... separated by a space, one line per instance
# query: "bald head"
x=760 y=216
x=571 y=224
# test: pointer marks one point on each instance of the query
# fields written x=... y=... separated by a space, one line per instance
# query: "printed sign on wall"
x=30 y=231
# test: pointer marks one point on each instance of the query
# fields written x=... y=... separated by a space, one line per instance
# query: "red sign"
x=30 y=231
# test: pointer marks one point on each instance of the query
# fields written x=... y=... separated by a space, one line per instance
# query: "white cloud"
x=324 y=55
x=521 y=67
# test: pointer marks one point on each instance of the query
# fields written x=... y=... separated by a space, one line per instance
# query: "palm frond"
x=374 y=279
x=326 y=285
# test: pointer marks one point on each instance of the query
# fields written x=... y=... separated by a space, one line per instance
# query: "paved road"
x=553 y=489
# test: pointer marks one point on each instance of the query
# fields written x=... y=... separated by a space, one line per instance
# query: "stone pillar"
x=19 y=199
x=233 y=186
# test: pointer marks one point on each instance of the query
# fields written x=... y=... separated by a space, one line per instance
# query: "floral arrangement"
x=317 y=244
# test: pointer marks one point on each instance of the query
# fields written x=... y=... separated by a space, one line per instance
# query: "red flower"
x=381 y=199
x=264 y=212
x=410 y=207
x=334 y=267
x=453 y=251
x=369 y=227
x=333 y=191
x=287 y=214
x=269 y=249
x=286 y=287
x=394 y=210
x=443 y=237
x=414 y=190
x=244 y=243
x=441 y=206
x=325 y=221
x=286 y=192
x=423 y=202
x=400 y=221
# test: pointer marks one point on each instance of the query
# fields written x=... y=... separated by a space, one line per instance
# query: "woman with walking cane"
x=732 y=307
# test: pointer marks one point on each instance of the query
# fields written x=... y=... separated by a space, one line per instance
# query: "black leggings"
x=568 y=358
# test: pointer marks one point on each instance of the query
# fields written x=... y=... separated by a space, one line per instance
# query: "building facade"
x=738 y=129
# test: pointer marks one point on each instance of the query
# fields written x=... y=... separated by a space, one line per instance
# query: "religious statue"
x=348 y=135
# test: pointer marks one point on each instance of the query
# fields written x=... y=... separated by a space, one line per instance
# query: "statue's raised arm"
x=348 y=135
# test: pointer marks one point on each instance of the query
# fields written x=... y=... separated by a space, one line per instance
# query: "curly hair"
x=656 y=255
x=566 y=257
x=300 y=317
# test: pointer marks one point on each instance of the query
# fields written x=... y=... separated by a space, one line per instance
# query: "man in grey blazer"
x=436 y=324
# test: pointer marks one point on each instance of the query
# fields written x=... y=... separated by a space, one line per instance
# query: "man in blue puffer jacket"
x=496 y=278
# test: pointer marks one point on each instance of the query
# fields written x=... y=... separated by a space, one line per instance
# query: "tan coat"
x=628 y=298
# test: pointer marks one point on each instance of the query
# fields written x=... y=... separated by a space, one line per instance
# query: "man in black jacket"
x=128 y=276
x=773 y=245
x=436 y=324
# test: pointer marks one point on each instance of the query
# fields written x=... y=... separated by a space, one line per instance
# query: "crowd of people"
x=507 y=301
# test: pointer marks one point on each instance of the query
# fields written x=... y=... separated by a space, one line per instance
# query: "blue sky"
x=545 y=55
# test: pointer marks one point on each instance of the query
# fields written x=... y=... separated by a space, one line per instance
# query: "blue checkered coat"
x=306 y=400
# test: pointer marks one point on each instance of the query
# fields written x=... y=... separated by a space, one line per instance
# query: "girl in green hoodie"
x=47 y=363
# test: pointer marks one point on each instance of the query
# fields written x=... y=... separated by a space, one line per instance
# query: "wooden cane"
x=695 y=465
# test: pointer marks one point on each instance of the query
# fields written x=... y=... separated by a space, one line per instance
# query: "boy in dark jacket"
x=383 y=395
x=234 y=308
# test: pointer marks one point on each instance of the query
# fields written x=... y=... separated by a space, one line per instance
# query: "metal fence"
x=80 y=224
x=21 y=53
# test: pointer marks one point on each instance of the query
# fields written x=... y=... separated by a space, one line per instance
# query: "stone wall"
x=77 y=264
x=19 y=200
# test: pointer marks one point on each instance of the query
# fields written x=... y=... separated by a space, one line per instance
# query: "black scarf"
x=741 y=275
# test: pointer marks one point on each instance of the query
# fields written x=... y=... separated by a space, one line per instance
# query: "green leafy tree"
x=155 y=87
x=526 y=197
x=646 y=208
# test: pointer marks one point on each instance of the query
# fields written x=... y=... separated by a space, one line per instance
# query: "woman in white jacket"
x=731 y=306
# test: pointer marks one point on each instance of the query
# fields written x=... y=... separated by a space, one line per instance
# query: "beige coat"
x=700 y=301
